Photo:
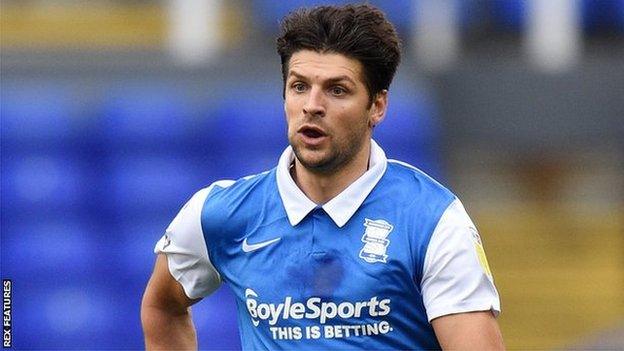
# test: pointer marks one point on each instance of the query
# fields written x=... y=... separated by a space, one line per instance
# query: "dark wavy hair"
x=360 y=32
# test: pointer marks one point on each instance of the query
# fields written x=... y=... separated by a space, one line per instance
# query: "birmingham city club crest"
x=375 y=240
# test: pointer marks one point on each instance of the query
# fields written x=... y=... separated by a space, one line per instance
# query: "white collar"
x=341 y=207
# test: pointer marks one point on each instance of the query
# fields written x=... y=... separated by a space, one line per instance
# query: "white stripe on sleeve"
x=456 y=278
x=185 y=247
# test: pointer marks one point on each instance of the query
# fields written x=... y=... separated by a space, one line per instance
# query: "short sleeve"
x=456 y=276
x=187 y=254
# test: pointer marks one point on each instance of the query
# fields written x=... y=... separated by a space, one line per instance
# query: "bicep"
x=163 y=291
x=468 y=331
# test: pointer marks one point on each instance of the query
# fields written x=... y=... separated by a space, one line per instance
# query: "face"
x=327 y=109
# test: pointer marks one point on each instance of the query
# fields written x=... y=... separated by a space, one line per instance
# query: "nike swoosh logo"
x=253 y=247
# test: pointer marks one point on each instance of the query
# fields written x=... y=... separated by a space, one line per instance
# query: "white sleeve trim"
x=186 y=250
x=454 y=280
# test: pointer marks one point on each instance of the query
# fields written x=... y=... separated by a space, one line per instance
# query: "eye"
x=338 y=90
x=299 y=87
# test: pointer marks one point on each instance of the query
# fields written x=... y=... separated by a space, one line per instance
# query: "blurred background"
x=113 y=113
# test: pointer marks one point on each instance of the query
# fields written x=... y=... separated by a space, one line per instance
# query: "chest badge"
x=375 y=242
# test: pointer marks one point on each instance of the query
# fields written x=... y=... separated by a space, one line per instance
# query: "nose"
x=314 y=104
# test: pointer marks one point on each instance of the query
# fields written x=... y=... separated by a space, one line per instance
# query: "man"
x=337 y=247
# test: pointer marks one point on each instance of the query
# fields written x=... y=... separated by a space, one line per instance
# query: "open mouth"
x=312 y=132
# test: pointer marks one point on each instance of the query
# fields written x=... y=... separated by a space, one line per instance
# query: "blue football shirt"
x=367 y=270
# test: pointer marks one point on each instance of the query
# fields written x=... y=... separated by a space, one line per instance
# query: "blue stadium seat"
x=620 y=15
x=37 y=115
x=80 y=314
x=252 y=132
x=410 y=132
x=43 y=184
x=148 y=183
x=509 y=15
x=137 y=238
x=596 y=15
x=147 y=114
x=270 y=12
x=217 y=333
x=603 y=15
x=400 y=12
x=70 y=286
x=49 y=249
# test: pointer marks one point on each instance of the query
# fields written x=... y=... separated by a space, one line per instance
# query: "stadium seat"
x=147 y=183
x=620 y=15
x=271 y=12
x=59 y=269
x=43 y=184
x=252 y=133
x=603 y=15
x=596 y=15
x=410 y=132
x=49 y=249
x=509 y=15
x=146 y=115
x=37 y=115
x=81 y=314
x=221 y=335
x=137 y=237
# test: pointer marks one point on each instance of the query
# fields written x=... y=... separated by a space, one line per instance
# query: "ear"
x=378 y=108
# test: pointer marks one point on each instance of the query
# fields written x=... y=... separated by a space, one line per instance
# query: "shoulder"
x=222 y=192
x=227 y=189
x=420 y=199
x=234 y=204
x=416 y=186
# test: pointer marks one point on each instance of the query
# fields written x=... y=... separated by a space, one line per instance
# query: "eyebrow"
x=330 y=80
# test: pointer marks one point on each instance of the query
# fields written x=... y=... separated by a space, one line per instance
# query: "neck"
x=322 y=187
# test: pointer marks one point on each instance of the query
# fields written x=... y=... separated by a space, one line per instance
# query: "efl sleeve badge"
x=480 y=252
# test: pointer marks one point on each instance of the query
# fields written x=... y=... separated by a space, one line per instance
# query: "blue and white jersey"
x=367 y=270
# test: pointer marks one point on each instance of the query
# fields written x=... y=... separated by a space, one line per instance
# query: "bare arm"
x=468 y=331
x=165 y=312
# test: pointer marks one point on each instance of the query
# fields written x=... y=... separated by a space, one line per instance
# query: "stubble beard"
x=339 y=154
